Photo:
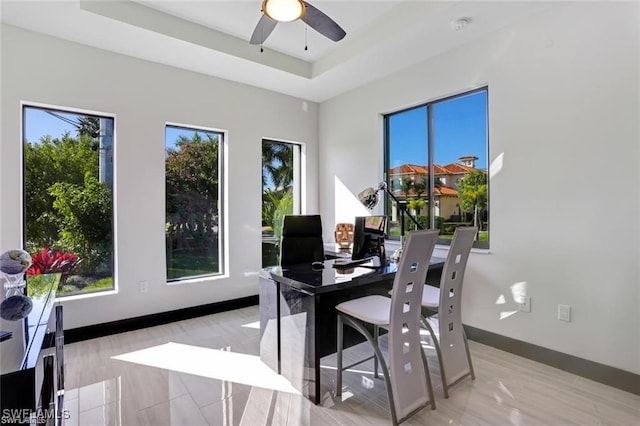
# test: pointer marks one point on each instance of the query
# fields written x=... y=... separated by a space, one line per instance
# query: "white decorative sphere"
x=14 y=262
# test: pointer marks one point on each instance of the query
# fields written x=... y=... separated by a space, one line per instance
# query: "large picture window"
x=436 y=165
x=68 y=193
x=193 y=198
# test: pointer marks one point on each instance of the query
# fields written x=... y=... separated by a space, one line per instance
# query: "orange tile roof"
x=409 y=169
x=449 y=169
x=443 y=191
x=455 y=168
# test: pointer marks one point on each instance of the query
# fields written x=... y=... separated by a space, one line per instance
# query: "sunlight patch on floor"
x=211 y=363
x=255 y=325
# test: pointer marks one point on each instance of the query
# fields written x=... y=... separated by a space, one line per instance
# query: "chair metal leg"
x=339 y=356
x=436 y=344
x=376 y=335
x=385 y=371
x=432 y=398
x=466 y=347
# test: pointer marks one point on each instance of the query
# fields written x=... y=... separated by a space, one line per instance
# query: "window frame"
x=430 y=159
x=223 y=257
x=298 y=170
x=299 y=193
x=23 y=199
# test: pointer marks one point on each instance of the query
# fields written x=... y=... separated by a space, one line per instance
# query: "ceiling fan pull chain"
x=306 y=47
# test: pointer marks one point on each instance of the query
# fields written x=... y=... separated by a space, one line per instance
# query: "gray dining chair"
x=444 y=312
x=406 y=374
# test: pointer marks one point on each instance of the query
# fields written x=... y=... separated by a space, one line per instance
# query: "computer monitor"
x=368 y=237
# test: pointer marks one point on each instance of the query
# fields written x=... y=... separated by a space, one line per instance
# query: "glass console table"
x=32 y=373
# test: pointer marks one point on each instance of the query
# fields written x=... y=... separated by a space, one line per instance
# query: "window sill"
x=86 y=295
x=198 y=279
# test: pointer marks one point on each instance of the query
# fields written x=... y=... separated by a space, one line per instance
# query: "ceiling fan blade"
x=322 y=23
x=263 y=29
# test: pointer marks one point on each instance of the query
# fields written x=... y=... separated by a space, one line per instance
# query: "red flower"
x=48 y=261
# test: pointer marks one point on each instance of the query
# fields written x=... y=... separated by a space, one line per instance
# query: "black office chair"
x=301 y=240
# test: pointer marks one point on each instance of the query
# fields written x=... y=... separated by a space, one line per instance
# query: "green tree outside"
x=406 y=185
x=283 y=208
x=277 y=178
x=47 y=162
x=418 y=203
x=85 y=221
x=192 y=181
x=474 y=194
x=277 y=164
x=277 y=195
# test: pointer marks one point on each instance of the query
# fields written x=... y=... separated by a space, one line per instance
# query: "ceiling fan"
x=274 y=11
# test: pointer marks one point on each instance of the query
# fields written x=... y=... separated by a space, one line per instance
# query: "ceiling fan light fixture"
x=283 y=10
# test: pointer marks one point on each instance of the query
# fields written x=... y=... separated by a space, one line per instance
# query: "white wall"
x=144 y=96
x=564 y=111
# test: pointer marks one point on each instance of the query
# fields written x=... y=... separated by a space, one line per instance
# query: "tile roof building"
x=446 y=188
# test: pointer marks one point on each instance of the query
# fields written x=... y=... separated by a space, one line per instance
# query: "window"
x=193 y=197
x=280 y=193
x=436 y=165
x=68 y=193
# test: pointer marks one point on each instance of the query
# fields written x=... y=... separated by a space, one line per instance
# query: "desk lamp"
x=369 y=198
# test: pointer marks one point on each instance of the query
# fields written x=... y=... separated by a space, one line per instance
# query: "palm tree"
x=277 y=179
x=419 y=188
x=473 y=194
x=416 y=204
x=277 y=164
x=406 y=185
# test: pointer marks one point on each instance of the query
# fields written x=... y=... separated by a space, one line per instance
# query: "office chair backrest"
x=410 y=388
x=450 y=313
x=301 y=240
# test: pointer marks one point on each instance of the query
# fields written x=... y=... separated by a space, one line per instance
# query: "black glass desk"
x=298 y=318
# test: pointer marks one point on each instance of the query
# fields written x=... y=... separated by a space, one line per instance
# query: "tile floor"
x=206 y=371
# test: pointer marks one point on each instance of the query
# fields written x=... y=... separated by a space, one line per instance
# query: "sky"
x=39 y=123
x=459 y=128
x=172 y=134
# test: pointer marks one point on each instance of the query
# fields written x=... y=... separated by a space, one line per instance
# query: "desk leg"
x=46 y=393
x=316 y=368
x=270 y=328
x=287 y=336
x=279 y=327
x=300 y=361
